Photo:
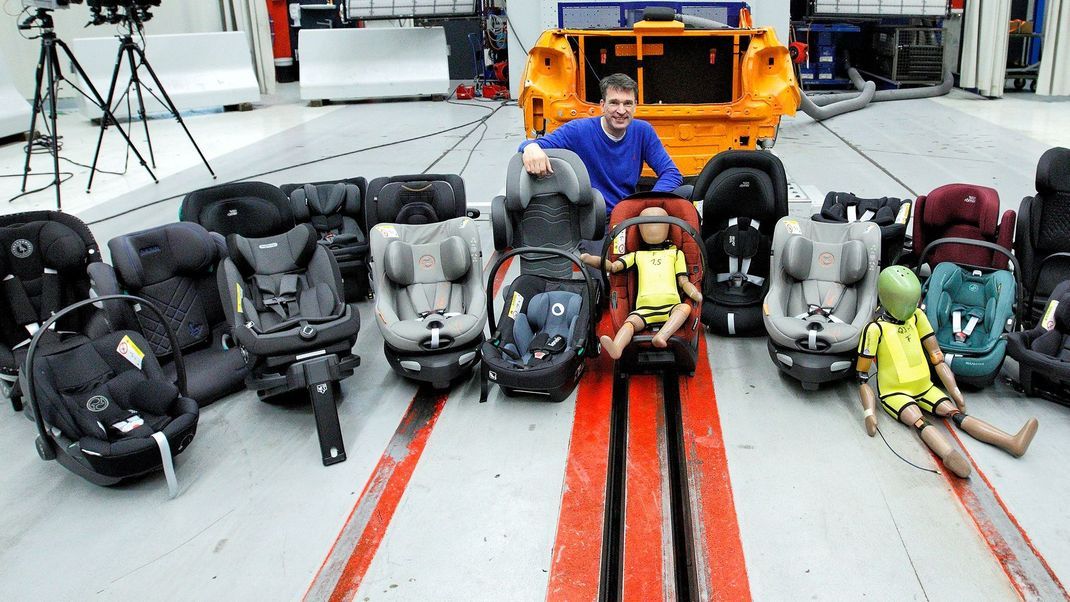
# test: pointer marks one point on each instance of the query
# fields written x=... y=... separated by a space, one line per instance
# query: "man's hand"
x=536 y=162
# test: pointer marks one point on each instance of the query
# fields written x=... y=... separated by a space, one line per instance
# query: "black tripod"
x=48 y=72
x=127 y=50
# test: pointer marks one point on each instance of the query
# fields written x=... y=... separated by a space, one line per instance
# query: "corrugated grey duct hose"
x=855 y=102
x=940 y=89
x=666 y=13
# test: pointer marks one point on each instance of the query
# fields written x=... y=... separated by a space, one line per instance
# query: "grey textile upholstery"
x=824 y=279
x=428 y=278
x=333 y=209
x=557 y=211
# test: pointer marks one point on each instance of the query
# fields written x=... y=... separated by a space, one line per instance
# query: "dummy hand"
x=536 y=162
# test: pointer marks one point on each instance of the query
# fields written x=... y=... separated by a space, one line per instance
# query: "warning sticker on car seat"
x=515 y=305
x=1048 y=321
x=130 y=351
x=792 y=226
x=904 y=213
x=238 y=286
x=387 y=230
x=620 y=243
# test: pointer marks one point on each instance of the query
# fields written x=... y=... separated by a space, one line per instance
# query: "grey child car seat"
x=823 y=291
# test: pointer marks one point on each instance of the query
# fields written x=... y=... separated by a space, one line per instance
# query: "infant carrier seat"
x=743 y=194
x=682 y=353
x=554 y=212
x=286 y=311
x=970 y=309
x=545 y=333
x=891 y=214
x=44 y=257
x=415 y=199
x=823 y=292
x=102 y=405
x=1043 y=352
x=963 y=211
x=1042 y=242
x=429 y=298
x=336 y=211
x=249 y=209
x=174 y=266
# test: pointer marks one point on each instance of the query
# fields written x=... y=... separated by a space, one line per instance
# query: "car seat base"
x=811 y=369
x=438 y=368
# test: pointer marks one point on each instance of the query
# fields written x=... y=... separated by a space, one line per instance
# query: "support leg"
x=936 y=441
x=327 y=427
x=1015 y=445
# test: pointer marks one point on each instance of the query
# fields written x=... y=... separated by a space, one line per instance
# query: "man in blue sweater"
x=613 y=147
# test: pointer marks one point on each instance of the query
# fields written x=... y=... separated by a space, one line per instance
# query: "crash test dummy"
x=902 y=343
x=662 y=273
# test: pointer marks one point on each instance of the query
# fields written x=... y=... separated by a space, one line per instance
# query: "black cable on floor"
x=902 y=458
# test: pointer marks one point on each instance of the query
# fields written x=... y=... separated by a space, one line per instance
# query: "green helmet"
x=899 y=291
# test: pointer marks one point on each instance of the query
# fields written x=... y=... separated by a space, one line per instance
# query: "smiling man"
x=613 y=147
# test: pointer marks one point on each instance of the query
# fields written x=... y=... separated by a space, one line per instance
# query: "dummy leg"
x=951 y=458
x=680 y=313
x=1015 y=445
x=615 y=346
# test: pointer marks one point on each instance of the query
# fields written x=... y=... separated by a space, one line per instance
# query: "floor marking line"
x=342 y=571
x=1031 y=582
x=721 y=565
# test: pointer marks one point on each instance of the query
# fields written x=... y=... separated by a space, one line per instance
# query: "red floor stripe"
x=575 y=567
x=722 y=567
x=340 y=575
x=644 y=566
x=1004 y=552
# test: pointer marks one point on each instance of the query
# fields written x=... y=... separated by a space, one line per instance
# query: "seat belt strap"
x=168 y=463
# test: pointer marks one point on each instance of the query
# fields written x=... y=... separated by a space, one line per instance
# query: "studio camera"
x=117 y=11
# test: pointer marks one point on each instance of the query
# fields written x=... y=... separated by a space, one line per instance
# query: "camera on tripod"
x=114 y=12
x=49 y=4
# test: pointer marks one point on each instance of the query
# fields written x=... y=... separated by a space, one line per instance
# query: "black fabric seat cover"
x=1043 y=351
x=890 y=213
x=108 y=407
x=250 y=209
x=1043 y=230
x=175 y=267
x=415 y=199
x=43 y=256
x=743 y=194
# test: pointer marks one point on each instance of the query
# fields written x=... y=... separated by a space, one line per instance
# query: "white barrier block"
x=353 y=64
x=198 y=70
x=14 y=109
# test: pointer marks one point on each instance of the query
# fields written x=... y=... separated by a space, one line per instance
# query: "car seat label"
x=793 y=226
x=904 y=213
x=620 y=243
x=515 y=305
x=387 y=230
x=130 y=351
x=22 y=248
x=238 y=286
x=1048 y=321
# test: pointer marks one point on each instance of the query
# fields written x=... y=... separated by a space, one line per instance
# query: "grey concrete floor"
x=824 y=511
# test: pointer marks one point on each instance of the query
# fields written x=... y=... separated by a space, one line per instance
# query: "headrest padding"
x=456 y=260
x=569 y=179
x=61 y=247
x=963 y=204
x=273 y=254
x=157 y=254
x=398 y=264
x=796 y=257
x=1062 y=314
x=1053 y=171
x=854 y=262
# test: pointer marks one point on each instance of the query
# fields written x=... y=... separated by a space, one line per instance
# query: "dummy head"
x=899 y=291
x=654 y=234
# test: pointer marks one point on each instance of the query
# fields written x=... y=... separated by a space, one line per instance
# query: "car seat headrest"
x=854 y=262
x=880 y=211
x=569 y=179
x=407 y=264
x=31 y=247
x=325 y=199
x=279 y=254
x=963 y=204
x=251 y=209
x=1053 y=171
x=796 y=257
x=61 y=247
x=154 y=255
x=743 y=189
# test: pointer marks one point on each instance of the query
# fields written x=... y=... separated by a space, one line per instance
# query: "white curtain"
x=984 y=46
x=1054 y=77
x=251 y=16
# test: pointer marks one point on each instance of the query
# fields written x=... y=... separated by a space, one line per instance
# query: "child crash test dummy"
x=662 y=274
x=903 y=345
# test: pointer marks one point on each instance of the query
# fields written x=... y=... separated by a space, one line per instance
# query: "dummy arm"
x=866 y=395
x=689 y=289
x=596 y=262
x=936 y=358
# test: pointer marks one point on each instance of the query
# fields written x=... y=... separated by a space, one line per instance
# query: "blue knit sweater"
x=614 y=166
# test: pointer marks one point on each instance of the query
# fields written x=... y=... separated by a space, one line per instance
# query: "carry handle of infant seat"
x=650 y=219
x=27 y=367
x=592 y=314
x=1017 y=270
